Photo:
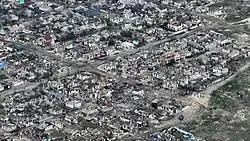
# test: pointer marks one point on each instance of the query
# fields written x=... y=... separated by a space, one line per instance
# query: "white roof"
x=127 y=44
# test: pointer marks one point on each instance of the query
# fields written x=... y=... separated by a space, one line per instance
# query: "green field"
x=228 y=116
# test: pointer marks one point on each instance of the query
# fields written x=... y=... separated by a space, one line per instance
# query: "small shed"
x=93 y=12
x=3 y=64
x=47 y=38
x=18 y=46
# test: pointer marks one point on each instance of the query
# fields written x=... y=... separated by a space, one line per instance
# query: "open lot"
x=227 y=117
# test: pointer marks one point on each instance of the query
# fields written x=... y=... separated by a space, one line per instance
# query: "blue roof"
x=91 y=12
x=19 y=46
x=2 y=65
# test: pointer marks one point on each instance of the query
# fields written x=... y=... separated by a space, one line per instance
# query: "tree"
x=127 y=34
x=181 y=117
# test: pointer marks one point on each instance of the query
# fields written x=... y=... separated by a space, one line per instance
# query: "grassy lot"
x=234 y=12
x=228 y=116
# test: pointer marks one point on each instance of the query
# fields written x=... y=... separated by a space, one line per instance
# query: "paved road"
x=188 y=114
x=215 y=86
x=237 y=28
x=89 y=67
x=24 y=87
x=196 y=109
x=92 y=67
x=207 y=92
